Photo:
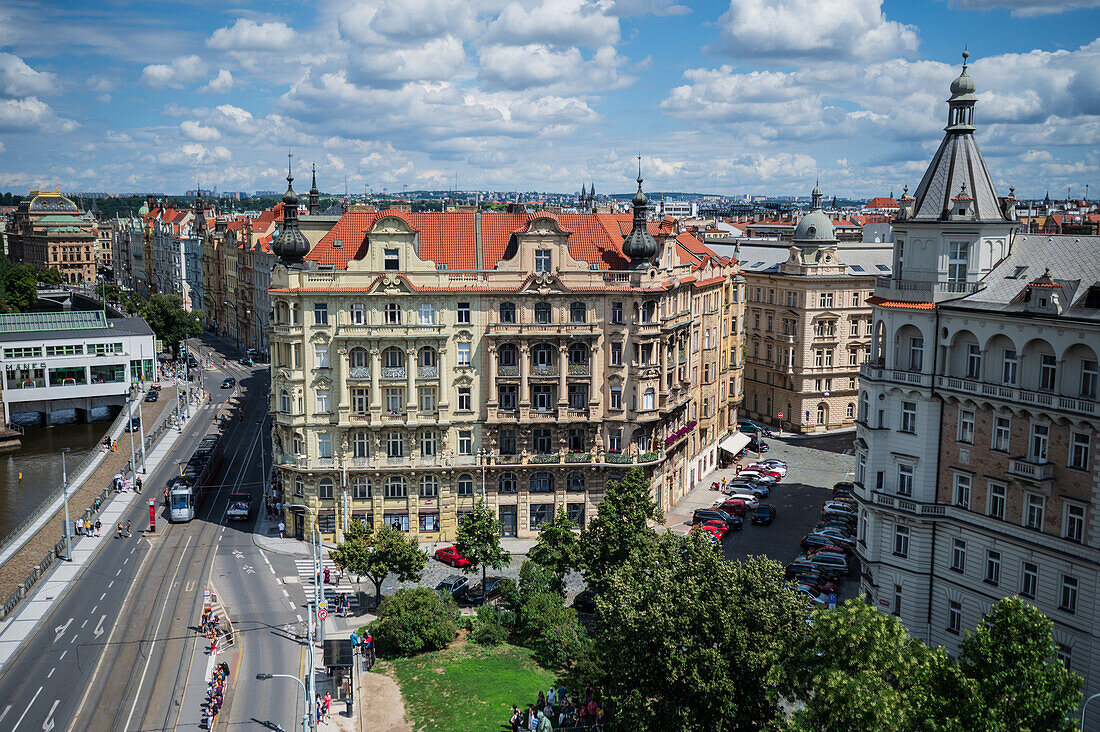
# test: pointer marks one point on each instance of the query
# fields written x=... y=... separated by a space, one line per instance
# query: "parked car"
x=775 y=463
x=750 y=499
x=815 y=580
x=840 y=535
x=844 y=485
x=817 y=599
x=765 y=470
x=453 y=586
x=834 y=548
x=229 y=382
x=802 y=566
x=733 y=507
x=449 y=555
x=245 y=361
x=845 y=518
x=749 y=427
x=840 y=493
x=720 y=528
x=152 y=396
x=760 y=491
x=480 y=593
x=702 y=515
x=838 y=507
x=757 y=476
x=757 y=445
x=763 y=514
x=814 y=541
x=831 y=560
x=134 y=425
x=585 y=601
x=709 y=531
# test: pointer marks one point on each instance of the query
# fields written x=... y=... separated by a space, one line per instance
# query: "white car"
x=837 y=535
x=750 y=499
x=817 y=599
x=839 y=508
x=775 y=462
x=781 y=469
x=757 y=476
x=831 y=560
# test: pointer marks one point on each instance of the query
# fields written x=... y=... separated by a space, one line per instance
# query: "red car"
x=718 y=526
x=707 y=529
x=449 y=555
x=733 y=506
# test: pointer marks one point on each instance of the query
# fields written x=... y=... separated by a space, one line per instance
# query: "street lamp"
x=305 y=695
x=129 y=422
x=65 y=494
x=1084 y=707
x=315 y=547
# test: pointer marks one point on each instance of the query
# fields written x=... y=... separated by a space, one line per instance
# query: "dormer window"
x=957 y=261
x=391 y=259
x=542 y=260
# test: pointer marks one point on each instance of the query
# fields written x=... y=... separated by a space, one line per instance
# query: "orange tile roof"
x=883 y=302
x=882 y=202
x=710 y=281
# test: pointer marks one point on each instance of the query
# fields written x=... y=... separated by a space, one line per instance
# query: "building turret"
x=314 y=195
x=639 y=245
x=290 y=244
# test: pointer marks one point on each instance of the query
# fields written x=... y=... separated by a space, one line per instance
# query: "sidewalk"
x=701 y=496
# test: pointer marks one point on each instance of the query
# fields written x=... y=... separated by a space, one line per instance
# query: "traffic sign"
x=322 y=613
x=781 y=415
x=323 y=604
x=832 y=601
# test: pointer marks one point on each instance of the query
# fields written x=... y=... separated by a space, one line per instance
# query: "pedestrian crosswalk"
x=304 y=567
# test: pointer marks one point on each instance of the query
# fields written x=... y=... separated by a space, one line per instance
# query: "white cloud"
x=195 y=130
x=623 y=8
x=438 y=59
x=17 y=79
x=23 y=114
x=1026 y=8
x=408 y=20
x=812 y=29
x=220 y=84
x=183 y=70
x=248 y=35
x=538 y=65
x=558 y=22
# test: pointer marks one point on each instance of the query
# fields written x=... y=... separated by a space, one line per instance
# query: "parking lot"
x=814 y=465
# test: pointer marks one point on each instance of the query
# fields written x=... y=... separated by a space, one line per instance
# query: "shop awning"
x=735 y=443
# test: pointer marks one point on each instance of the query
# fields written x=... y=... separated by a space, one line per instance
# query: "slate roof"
x=957 y=162
x=766 y=256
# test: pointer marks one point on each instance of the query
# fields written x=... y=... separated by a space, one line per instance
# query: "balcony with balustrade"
x=393 y=372
x=1043 y=400
x=1032 y=470
x=923 y=290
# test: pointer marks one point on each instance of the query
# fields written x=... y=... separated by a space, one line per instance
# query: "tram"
x=187 y=490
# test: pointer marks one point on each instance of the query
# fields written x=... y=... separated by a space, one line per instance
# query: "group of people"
x=92 y=528
x=215 y=693
x=121 y=532
x=124 y=484
x=323 y=707
x=210 y=626
x=557 y=709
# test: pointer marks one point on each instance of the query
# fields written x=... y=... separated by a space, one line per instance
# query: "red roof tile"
x=875 y=300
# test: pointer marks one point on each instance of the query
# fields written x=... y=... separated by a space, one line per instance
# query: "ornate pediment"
x=321 y=382
x=391 y=224
x=544 y=283
x=392 y=283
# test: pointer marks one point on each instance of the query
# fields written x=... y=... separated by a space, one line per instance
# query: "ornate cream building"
x=423 y=360
x=48 y=230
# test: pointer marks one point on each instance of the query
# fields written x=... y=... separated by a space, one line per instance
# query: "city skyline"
x=724 y=98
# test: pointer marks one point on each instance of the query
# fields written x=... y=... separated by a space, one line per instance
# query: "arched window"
x=426 y=356
x=578 y=354
x=507 y=483
x=360 y=488
x=508 y=356
x=822 y=413
x=393 y=358
x=542 y=312
x=465 y=485
x=324 y=488
x=648 y=312
x=284 y=401
x=542 y=483
x=507 y=312
x=578 y=313
x=575 y=481
x=864 y=406
x=395 y=487
x=359 y=358
x=648 y=398
x=429 y=487
x=850 y=410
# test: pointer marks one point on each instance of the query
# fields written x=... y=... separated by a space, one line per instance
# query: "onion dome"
x=290 y=245
x=960 y=107
x=639 y=245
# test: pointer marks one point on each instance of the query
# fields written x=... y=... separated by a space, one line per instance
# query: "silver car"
x=831 y=560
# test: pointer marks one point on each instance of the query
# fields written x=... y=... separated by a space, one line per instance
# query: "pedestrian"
x=328 y=576
x=282 y=529
x=127 y=528
x=98 y=526
x=317 y=704
x=328 y=706
x=214 y=645
x=137 y=485
x=119 y=529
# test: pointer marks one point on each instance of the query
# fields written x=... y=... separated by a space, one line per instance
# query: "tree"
x=550 y=629
x=621 y=527
x=1013 y=661
x=558 y=547
x=479 y=541
x=687 y=640
x=168 y=319
x=378 y=553
x=415 y=620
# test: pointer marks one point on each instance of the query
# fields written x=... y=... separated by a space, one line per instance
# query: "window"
x=973 y=361
x=962 y=491
x=507 y=396
x=320 y=313
x=1065 y=654
x=429 y=522
x=905 y=480
x=1008 y=367
x=506 y=440
x=358 y=314
x=429 y=486
x=616 y=312
x=324 y=488
x=323 y=404
x=1068 y=599
x=957 y=261
x=616 y=353
x=965 y=431
x=575 y=512
x=427 y=399
x=648 y=399
x=542 y=260
x=850 y=411
x=541 y=513
x=861 y=468
x=464 y=313
x=615 y=440
x=360 y=444
x=1048 y=370
x=1001 y=431
x=463 y=354
x=507 y=483
x=822 y=413
x=1073 y=523
x=393 y=313
x=992 y=567
x=465 y=442
x=298 y=444
x=616 y=398
x=1039 y=440
x=954 y=617
x=996 y=501
x=284 y=401
x=321 y=353
x=542 y=397
x=395 y=487
x=1079 y=451
x=1033 y=513
x=395 y=400
x=909 y=417
x=578 y=313
x=916 y=354
x=542 y=440
x=395 y=445
x=360 y=488
x=358 y=358
x=426 y=312
x=958 y=555
x=1089 y=376
x=1029 y=580
x=897 y=600
x=391 y=259
x=574 y=482
x=578 y=396
x=324 y=445
x=825 y=300
x=542 y=483
x=465 y=485
x=507 y=312
x=429 y=443
x=66 y=350
x=542 y=312
x=464 y=400
x=901 y=541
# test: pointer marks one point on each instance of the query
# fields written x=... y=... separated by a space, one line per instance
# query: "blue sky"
x=740 y=97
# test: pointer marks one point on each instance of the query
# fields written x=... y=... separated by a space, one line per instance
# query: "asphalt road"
x=116 y=650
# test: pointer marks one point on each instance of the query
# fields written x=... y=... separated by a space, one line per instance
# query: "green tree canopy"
x=620 y=528
x=687 y=640
x=479 y=541
x=558 y=547
x=415 y=620
x=168 y=319
x=378 y=553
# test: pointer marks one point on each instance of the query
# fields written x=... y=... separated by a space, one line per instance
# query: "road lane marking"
x=48 y=724
x=118 y=572
x=92 y=611
x=288 y=602
x=299 y=618
x=60 y=630
x=127 y=559
x=20 y=720
x=109 y=584
x=83 y=624
x=190 y=586
x=5 y=712
x=102 y=596
x=61 y=658
x=74 y=639
x=286 y=594
x=51 y=672
x=133 y=550
x=99 y=627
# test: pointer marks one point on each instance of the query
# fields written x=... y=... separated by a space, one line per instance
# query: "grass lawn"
x=467 y=686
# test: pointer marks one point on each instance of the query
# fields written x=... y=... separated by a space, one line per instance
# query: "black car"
x=749 y=427
x=152 y=396
x=839 y=517
x=191 y=362
x=229 y=382
x=134 y=425
x=763 y=514
x=703 y=515
x=478 y=593
x=453 y=586
x=245 y=361
x=800 y=567
x=758 y=446
x=816 y=541
x=585 y=602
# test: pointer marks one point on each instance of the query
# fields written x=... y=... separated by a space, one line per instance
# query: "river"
x=39 y=460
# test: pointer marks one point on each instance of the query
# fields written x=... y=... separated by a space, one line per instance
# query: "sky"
x=732 y=98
